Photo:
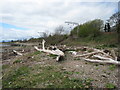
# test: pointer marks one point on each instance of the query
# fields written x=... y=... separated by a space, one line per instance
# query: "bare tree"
x=59 y=30
x=45 y=34
x=113 y=20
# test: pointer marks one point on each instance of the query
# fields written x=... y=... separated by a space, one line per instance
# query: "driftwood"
x=56 y=51
x=100 y=61
x=18 y=53
x=99 y=56
x=103 y=58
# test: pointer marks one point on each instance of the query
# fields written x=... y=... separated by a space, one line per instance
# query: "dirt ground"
x=101 y=74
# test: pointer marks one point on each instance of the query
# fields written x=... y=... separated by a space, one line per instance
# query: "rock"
x=32 y=56
x=77 y=65
x=104 y=75
x=63 y=68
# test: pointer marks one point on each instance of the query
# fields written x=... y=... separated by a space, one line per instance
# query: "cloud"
x=42 y=15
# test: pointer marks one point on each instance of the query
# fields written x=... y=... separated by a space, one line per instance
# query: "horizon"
x=24 y=19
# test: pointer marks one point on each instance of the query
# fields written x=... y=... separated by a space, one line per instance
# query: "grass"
x=5 y=66
x=53 y=56
x=77 y=59
x=43 y=76
x=104 y=40
x=103 y=46
x=112 y=67
x=14 y=79
x=110 y=85
x=17 y=61
x=36 y=53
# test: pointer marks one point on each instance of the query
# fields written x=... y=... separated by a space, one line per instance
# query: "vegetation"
x=91 y=33
x=110 y=85
x=36 y=53
x=112 y=67
x=88 y=29
x=17 y=61
x=46 y=77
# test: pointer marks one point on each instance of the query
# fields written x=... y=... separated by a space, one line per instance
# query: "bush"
x=91 y=29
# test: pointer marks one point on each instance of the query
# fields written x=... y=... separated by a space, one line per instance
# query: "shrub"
x=91 y=29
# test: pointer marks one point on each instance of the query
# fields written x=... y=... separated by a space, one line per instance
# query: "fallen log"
x=54 y=52
x=92 y=53
x=100 y=61
x=101 y=56
x=104 y=58
x=113 y=54
x=18 y=53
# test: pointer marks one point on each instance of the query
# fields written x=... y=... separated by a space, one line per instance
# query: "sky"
x=21 y=19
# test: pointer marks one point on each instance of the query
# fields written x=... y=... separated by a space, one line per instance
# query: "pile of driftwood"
x=96 y=55
x=52 y=50
x=84 y=53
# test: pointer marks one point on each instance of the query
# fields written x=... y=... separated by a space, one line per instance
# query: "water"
x=4 y=45
x=1 y=45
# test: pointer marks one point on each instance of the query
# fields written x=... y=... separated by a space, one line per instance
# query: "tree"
x=59 y=30
x=108 y=27
x=105 y=29
x=45 y=34
x=113 y=20
x=90 y=28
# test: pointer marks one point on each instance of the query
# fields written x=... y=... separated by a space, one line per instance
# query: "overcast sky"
x=20 y=19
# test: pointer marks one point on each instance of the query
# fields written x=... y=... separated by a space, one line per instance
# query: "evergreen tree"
x=108 y=27
x=105 y=29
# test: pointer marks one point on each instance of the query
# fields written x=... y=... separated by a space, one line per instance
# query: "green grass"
x=110 y=85
x=104 y=40
x=53 y=56
x=36 y=53
x=17 y=61
x=5 y=66
x=14 y=79
x=112 y=67
x=43 y=76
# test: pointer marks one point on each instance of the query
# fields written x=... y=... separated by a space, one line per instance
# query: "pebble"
x=77 y=65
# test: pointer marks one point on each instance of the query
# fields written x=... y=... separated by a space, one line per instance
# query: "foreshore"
x=6 y=49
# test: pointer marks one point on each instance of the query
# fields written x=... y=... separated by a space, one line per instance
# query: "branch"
x=18 y=53
x=54 y=52
x=99 y=61
x=104 y=58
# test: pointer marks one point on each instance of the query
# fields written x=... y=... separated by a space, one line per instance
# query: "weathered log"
x=92 y=53
x=58 y=58
x=113 y=54
x=104 y=58
x=54 y=52
x=100 y=61
x=18 y=53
